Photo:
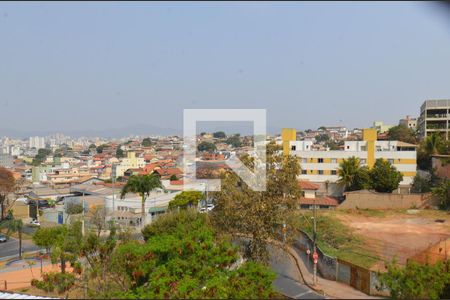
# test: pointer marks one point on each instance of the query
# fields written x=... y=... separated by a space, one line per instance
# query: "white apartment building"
x=322 y=166
x=36 y=142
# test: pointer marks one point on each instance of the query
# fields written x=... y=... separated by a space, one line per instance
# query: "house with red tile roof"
x=166 y=173
x=309 y=197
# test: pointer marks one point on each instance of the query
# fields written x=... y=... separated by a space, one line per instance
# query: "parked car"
x=35 y=223
x=3 y=238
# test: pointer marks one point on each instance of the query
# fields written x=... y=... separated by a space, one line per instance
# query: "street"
x=11 y=247
x=287 y=281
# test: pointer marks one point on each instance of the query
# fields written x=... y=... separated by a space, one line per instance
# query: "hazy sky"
x=98 y=65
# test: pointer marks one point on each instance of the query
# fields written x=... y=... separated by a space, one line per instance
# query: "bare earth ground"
x=398 y=233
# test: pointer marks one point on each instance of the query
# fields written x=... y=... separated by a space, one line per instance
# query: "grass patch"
x=366 y=212
x=336 y=239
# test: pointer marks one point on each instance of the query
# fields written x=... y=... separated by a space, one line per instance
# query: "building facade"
x=6 y=161
x=435 y=118
x=409 y=122
x=381 y=127
x=129 y=162
x=322 y=166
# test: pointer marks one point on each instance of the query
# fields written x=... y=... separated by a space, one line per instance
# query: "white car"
x=35 y=223
x=208 y=208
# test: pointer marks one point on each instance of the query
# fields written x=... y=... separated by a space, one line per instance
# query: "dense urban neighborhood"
x=224 y=150
x=105 y=217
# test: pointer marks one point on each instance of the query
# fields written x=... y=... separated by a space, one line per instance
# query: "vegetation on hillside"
x=416 y=281
x=335 y=239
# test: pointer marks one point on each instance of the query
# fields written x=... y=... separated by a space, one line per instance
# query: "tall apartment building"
x=322 y=166
x=6 y=161
x=435 y=118
x=36 y=142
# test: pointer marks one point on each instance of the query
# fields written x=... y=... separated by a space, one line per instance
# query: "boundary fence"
x=332 y=268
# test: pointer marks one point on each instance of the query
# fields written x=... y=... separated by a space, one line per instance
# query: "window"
x=304 y=160
x=333 y=160
x=304 y=172
x=293 y=148
x=348 y=147
x=391 y=161
x=333 y=172
x=320 y=160
x=310 y=171
x=320 y=172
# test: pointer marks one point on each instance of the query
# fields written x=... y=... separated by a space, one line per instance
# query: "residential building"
x=435 y=118
x=129 y=162
x=381 y=127
x=36 y=142
x=321 y=166
x=6 y=161
x=409 y=122
x=310 y=198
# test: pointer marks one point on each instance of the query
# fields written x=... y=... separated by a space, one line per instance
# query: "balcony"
x=437 y=126
x=436 y=116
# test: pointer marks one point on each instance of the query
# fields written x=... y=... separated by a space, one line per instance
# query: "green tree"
x=7 y=186
x=92 y=146
x=384 y=177
x=402 y=133
x=431 y=145
x=119 y=152
x=442 y=192
x=352 y=176
x=101 y=148
x=41 y=156
x=415 y=281
x=322 y=138
x=142 y=185
x=206 y=146
x=186 y=199
x=234 y=141
x=434 y=144
x=173 y=177
x=333 y=145
x=147 y=142
x=66 y=245
x=241 y=210
x=46 y=237
x=190 y=260
x=421 y=184
x=219 y=135
x=14 y=225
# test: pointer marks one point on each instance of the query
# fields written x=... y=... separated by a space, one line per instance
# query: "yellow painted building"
x=322 y=166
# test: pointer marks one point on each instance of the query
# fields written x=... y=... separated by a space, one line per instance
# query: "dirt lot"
x=400 y=234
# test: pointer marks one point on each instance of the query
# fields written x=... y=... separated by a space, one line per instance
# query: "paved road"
x=287 y=281
x=11 y=247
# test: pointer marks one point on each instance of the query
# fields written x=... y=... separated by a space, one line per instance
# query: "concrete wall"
x=374 y=200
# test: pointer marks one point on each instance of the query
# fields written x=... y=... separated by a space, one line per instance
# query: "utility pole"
x=82 y=219
x=113 y=180
x=206 y=201
x=315 y=256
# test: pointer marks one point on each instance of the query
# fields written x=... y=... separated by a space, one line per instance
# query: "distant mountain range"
x=138 y=129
